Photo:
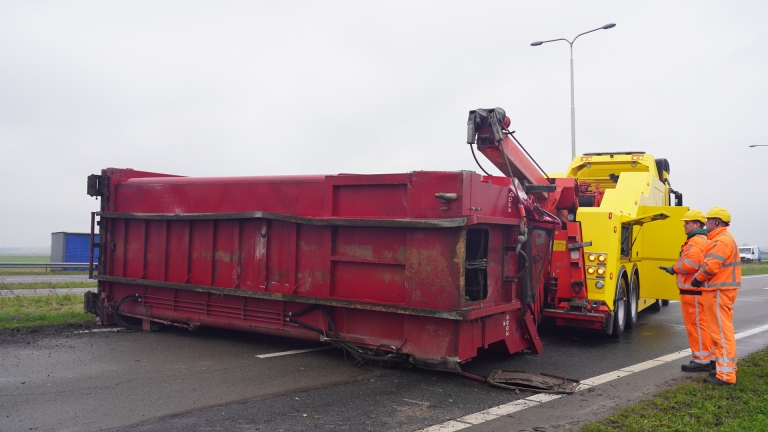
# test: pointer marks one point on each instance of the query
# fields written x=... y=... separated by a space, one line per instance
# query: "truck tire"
x=656 y=306
x=620 y=308
x=633 y=296
x=665 y=302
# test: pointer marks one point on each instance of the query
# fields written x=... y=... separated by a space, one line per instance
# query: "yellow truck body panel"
x=634 y=227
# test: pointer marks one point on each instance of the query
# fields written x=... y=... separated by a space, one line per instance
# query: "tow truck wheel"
x=632 y=299
x=656 y=306
x=665 y=302
x=620 y=308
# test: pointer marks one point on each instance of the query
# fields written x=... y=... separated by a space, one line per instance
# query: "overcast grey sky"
x=270 y=88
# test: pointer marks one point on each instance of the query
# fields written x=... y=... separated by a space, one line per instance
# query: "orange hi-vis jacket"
x=721 y=269
x=691 y=256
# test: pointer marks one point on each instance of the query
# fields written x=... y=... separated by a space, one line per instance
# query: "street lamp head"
x=537 y=43
x=753 y=145
x=608 y=26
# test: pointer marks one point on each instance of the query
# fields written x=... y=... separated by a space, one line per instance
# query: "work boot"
x=713 y=366
x=716 y=381
x=695 y=367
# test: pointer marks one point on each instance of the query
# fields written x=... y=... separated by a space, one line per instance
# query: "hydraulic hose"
x=525 y=265
x=304 y=311
x=477 y=161
x=116 y=314
x=374 y=355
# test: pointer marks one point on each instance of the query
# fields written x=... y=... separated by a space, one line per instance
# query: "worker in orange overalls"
x=720 y=279
x=692 y=305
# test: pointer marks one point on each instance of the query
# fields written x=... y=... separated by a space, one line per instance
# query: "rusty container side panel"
x=400 y=266
x=194 y=254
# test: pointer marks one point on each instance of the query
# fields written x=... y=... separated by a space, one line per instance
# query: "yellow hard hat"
x=694 y=215
x=719 y=213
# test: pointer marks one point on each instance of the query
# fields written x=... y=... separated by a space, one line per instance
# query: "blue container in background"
x=73 y=247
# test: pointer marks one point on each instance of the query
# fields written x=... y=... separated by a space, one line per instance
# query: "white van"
x=750 y=253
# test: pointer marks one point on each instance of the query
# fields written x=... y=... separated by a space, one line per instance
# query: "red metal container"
x=419 y=266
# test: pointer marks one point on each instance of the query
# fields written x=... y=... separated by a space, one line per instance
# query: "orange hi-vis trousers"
x=696 y=326
x=718 y=306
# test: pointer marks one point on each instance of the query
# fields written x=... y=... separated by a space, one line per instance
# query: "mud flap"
x=608 y=323
x=90 y=301
x=541 y=383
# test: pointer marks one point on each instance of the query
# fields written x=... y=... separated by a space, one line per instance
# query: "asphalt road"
x=37 y=278
x=213 y=380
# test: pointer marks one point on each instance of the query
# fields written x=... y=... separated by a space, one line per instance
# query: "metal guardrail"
x=44 y=265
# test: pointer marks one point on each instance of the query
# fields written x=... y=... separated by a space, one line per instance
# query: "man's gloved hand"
x=671 y=270
x=696 y=283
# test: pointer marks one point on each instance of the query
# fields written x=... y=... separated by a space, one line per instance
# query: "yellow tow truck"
x=630 y=225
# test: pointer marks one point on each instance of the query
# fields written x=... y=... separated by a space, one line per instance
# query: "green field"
x=32 y=271
x=25 y=258
x=754 y=268
x=45 y=285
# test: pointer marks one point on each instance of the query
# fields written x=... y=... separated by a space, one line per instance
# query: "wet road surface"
x=213 y=379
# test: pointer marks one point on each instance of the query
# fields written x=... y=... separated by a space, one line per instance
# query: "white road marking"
x=604 y=378
x=754 y=276
x=751 y=332
x=294 y=352
x=751 y=298
x=449 y=426
x=543 y=397
x=643 y=366
x=521 y=404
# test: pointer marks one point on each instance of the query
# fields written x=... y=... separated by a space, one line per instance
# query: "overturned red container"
x=422 y=267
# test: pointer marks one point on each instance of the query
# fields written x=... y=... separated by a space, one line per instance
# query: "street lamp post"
x=573 y=107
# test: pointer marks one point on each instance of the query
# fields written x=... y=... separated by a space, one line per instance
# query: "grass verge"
x=46 y=285
x=699 y=406
x=754 y=268
x=25 y=258
x=42 y=311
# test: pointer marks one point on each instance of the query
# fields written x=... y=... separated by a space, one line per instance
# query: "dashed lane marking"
x=294 y=352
